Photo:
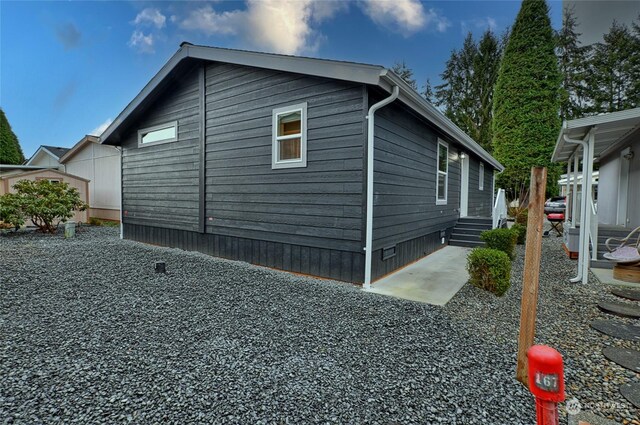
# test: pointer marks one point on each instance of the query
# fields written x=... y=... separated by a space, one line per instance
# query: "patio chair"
x=556 y=220
x=626 y=256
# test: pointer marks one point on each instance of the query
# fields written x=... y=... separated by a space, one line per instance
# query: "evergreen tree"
x=572 y=60
x=467 y=90
x=611 y=74
x=10 y=150
x=403 y=71
x=427 y=91
x=527 y=101
x=485 y=73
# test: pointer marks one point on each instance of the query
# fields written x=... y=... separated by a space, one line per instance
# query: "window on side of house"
x=442 y=173
x=481 y=177
x=163 y=133
x=289 y=144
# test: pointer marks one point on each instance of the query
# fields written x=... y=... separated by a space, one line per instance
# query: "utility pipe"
x=584 y=217
x=368 y=254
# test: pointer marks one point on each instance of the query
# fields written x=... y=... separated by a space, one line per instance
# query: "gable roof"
x=70 y=153
x=611 y=131
x=54 y=151
x=348 y=71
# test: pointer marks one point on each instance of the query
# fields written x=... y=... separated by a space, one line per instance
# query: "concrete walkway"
x=434 y=279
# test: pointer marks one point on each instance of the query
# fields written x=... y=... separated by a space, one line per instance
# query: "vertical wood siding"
x=346 y=266
x=480 y=200
x=160 y=182
x=405 y=179
x=317 y=206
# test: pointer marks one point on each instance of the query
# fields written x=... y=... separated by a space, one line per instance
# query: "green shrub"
x=94 y=221
x=519 y=214
x=489 y=269
x=501 y=239
x=521 y=231
x=11 y=215
x=46 y=203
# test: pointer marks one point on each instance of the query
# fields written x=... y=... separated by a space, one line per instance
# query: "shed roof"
x=611 y=132
x=339 y=70
x=55 y=151
x=47 y=170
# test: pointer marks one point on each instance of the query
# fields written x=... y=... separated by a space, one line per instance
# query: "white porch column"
x=574 y=194
x=585 y=227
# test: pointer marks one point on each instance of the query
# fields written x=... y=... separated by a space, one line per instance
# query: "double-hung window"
x=442 y=174
x=289 y=144
x=163 y=133
x=481 y=177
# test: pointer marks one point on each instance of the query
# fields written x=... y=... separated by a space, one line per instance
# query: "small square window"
x=290 y=137
x=442 y=176
x=163 y=133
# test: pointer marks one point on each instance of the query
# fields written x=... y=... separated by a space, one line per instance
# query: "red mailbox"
x=546 y=382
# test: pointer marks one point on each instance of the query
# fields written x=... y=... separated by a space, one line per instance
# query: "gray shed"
x=265 y=158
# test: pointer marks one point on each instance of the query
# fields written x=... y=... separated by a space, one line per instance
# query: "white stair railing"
x=499 y=212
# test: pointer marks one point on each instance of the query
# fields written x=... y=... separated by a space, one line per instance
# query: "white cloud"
x=282 y=26
x=150 y=16
x=404 y=16
x=479 y=24
x=142 y=43
x=101 y=128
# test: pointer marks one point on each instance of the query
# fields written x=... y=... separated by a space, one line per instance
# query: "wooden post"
x=531 y=275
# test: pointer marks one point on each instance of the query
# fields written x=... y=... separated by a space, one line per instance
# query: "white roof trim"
x=42 y=148
x=604 y=124
x=347 y=71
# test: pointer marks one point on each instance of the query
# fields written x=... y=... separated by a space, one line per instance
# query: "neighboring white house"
x=47 y=157
x=613 y=141
x=100 y=164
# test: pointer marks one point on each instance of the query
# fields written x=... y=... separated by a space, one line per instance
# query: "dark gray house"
x=328 y=168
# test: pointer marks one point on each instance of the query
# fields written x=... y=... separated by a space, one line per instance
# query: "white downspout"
x=368 y=254
x=584 y=225
x=574 y=194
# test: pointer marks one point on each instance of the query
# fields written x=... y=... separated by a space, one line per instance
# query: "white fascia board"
x=416 y=102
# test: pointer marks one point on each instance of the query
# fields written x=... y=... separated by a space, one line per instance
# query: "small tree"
x=402 y=70
x=10 y=151
x=47 y=204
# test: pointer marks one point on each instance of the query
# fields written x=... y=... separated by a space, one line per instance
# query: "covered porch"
x=610 y=141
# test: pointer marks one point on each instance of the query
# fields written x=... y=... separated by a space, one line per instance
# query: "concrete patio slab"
x=606 y=276
x=434 y=279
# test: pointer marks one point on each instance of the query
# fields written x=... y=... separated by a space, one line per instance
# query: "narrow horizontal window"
x=442 y=173
x=290 y=137
x=481 y=177
x=163 y=133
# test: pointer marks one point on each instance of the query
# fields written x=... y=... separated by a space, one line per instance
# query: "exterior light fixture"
x=463 y=155
x=629 y=156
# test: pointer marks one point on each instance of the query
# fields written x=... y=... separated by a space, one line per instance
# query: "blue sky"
x=67 y=68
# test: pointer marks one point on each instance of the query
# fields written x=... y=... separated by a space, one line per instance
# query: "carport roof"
x=611 y=131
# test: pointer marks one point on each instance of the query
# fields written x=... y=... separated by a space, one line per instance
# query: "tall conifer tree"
x=527 y=100
x=10 y=150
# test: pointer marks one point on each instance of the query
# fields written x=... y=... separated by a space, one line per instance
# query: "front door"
x=464 y=185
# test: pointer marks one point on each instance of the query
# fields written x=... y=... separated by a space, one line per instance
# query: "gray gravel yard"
x=90 y=334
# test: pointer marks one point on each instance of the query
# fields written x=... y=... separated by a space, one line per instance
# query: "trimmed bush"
x=501 y=239
x=489 y=269
x=521 y=231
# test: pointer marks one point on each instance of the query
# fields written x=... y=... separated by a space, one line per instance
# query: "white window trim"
x=144 y=131
x=445 y=173
x=481 y=177
x=289 y=163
